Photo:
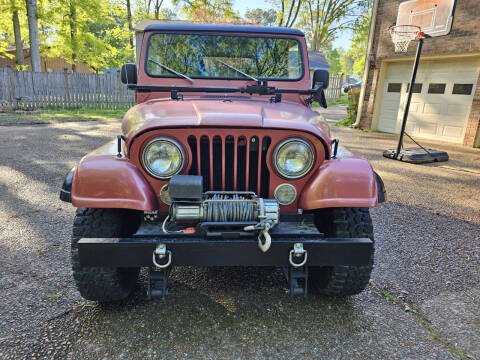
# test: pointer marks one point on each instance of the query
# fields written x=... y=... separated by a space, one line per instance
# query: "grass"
x=389 y=296
x=342 y=100
x=60 y=115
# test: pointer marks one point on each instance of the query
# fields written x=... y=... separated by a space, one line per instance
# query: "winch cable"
x=223 y=208
x=237 y=208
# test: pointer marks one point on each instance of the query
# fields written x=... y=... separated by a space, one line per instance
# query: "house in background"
x=446 y=96
x=316 y=60
x=47 y=65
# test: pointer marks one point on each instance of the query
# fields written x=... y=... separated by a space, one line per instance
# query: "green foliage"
x=359 y=41
x=334 y=59
x=352 y=107
x=323 y=20
x=209 y=11
x=261 y=17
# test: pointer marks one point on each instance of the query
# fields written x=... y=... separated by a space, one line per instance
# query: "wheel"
x=341 y=281
x=101 y=283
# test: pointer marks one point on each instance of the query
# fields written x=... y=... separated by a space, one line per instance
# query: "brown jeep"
x=222 y=163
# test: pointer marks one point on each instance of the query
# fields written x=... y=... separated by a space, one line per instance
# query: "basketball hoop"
x=403 y=34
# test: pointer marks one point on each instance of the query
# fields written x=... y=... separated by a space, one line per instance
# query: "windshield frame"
x=280 y=36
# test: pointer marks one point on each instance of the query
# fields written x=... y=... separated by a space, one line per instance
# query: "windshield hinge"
x=175 y=96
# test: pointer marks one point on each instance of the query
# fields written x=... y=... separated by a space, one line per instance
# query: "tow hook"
x=158 y=277
x=297 y=253
x=297 y=273
x=161 y=252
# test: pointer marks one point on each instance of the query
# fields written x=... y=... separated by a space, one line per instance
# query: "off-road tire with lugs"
x=343 y=281
x=101 y=283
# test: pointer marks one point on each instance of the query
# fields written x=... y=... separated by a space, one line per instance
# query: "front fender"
x=103 y=180
x=347 y=181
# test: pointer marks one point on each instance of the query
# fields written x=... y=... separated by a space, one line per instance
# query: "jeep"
x=222 y=162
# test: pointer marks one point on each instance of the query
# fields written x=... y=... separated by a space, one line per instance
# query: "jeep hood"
x=223 y=112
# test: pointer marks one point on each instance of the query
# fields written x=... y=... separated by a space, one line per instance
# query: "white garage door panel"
x=435 y=116
x=432 y=108
x=458 y=110
x=452 y=131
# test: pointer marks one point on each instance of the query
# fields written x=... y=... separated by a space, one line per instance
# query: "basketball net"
x=402 y=35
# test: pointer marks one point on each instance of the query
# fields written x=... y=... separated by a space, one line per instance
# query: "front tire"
x=341 y=281
x=101 y=283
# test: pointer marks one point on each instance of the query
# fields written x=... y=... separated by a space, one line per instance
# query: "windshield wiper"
x=237 y=70
x=172 y=71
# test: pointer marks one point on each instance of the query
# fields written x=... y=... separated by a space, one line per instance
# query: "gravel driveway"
x=423 y=302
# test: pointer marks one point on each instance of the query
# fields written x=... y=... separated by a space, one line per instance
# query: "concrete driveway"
x=422 y=303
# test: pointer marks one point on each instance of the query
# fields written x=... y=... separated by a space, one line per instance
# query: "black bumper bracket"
x=158 y=283
x=297 y=278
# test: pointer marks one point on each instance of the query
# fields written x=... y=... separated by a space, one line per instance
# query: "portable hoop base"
x=417 y=155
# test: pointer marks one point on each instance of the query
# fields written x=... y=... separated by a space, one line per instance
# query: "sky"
x=242 y=5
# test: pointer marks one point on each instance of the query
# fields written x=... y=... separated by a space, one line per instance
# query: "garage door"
x=441 y=101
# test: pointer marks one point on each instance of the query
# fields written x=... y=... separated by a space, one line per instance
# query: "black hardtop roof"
x=224 y=28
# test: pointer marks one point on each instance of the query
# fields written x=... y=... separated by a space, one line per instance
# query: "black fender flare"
x=65 y=192
x=381 y=192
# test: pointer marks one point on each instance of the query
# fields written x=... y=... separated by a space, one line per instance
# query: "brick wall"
x=472 y=133
x=463 y=38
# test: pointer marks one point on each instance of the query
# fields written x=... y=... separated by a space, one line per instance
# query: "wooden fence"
x=335 y=87
x=28 y=90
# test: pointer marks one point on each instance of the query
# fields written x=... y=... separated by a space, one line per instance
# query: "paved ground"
x=422 y=304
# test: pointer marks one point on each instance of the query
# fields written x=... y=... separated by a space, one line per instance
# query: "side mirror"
x=321 y=76
x=128 y=74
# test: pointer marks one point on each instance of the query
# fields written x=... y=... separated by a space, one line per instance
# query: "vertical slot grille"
x=192 y=143
x=264 y=173
x=231 y=163
x=241 y=163
x=205 y=161
x=217 y=163
x=253 y=165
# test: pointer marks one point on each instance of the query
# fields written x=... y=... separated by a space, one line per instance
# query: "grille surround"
x=270 y=182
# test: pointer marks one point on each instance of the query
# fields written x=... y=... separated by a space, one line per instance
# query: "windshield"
x=224 y=57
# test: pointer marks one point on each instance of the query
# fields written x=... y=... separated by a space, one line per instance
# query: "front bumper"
x=226 y=249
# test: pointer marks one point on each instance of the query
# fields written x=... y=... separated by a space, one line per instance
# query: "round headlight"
x=163 y=158
x=293 y=158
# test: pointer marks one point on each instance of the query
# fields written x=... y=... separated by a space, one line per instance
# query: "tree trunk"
x=157 y=9
x=33 y=32
x=18 y=39
x=73 y=35
x=129 y=20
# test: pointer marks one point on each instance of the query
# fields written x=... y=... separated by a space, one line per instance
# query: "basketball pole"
x=409 y=97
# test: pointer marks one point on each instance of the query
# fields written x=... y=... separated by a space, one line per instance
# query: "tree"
x=359 y=41
x=33 y=33
x=214 y=11
x=260 y=16
x=129 y=21
x=17 y=34
x=288 y=17
x=323 y=19
x=334 y=58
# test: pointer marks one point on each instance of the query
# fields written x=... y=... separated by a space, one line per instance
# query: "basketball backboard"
x=433 y=16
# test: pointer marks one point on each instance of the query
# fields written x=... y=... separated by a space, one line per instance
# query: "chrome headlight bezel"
x=307 y=168
x=170 y=141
